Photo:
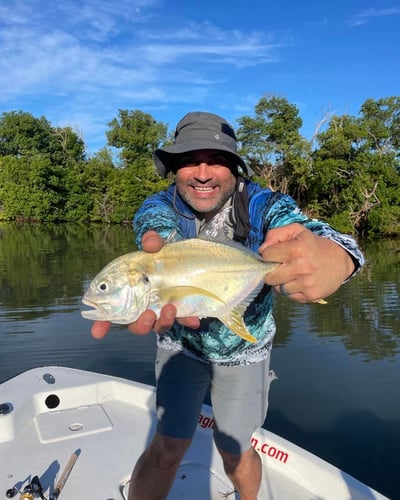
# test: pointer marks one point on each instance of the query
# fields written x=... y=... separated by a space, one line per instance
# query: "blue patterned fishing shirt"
x=168 y=214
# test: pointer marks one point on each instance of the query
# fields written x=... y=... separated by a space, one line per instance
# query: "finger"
x=298 y=296
x=282 y=274
x=100 y=329
x=152 y=242
x=190 y=322
x=295 y=296
x=144 y=324
x=280 y=252
x=167 y=318
x=282 y=290
x=287 y=290
x=281 y=234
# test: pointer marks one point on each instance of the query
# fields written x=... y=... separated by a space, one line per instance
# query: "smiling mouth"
x=204 y=189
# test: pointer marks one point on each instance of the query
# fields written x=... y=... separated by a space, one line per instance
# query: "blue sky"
x=78 y=62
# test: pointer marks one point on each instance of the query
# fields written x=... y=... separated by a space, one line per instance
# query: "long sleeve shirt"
x=167 y=214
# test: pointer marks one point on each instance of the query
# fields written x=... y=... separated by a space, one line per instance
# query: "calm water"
x=338 y=365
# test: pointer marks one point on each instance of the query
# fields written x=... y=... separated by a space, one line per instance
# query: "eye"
x=103 y=287
x=145 y=280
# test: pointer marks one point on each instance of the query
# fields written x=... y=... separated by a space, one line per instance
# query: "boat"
x=73 y=434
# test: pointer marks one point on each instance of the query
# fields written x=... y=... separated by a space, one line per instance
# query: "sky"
x=77 y=63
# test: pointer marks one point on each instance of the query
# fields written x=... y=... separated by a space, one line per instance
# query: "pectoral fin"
x=176 y=293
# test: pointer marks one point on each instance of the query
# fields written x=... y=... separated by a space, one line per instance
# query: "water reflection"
x=47 y=264
x=364 y=313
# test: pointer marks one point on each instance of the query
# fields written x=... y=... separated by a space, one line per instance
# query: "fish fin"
x=234 y=321
x=175 y=293
x=172 y=237
x=320 y=301
x=225 y=240
x=234 y=318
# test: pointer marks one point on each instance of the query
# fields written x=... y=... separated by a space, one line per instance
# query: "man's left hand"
x=312 y=267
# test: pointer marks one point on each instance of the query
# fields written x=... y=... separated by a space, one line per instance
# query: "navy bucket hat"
x=199 y=130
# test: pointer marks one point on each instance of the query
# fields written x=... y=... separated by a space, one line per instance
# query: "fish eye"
x=103 y=287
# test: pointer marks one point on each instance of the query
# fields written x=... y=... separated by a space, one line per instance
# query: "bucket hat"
x=199 y=130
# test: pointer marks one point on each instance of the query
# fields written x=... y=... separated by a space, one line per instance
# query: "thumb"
x=152 y=242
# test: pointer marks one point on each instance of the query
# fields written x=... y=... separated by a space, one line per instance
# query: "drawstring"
x=240 y=212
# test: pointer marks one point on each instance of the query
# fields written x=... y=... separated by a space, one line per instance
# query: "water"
x=338 y=365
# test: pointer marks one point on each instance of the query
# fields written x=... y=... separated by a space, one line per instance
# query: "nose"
x=203 y=172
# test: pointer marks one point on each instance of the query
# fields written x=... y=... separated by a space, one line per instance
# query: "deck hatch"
x=72 y=423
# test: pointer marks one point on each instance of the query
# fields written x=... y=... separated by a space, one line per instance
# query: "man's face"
x=205 y=180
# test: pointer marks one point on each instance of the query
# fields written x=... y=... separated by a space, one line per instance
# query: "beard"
x=205 y=206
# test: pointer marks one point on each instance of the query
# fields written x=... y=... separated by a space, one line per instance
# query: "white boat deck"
x=57 y=411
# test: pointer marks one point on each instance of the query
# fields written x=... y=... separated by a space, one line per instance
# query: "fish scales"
x=200 y=277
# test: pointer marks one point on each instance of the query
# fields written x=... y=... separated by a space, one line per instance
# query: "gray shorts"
x=239 y=397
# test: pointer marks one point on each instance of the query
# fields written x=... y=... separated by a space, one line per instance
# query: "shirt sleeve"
x=157 y=214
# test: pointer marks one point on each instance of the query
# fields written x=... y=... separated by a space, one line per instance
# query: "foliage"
x=273 y=147
x=136 y=135
x=46 y=176
x=348 y=173
x=351 y=177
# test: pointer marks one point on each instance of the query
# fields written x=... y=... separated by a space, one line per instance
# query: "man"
x=209 y=194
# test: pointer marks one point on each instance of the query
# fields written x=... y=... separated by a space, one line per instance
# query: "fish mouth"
x=96 y=313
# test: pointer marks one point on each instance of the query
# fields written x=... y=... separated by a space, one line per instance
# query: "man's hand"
x=147 y=321
x=312 y=267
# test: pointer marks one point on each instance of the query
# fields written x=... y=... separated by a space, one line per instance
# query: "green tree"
x=31 y=188
x=356 y=180
x=22 y=134
x=273 y=146
x=136 y=135
x=37 y=166
x=334 y=165
x=381 y=121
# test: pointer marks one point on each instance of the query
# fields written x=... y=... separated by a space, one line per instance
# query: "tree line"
x=347 y=173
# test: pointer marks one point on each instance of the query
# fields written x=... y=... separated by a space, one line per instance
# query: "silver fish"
x=200 y=277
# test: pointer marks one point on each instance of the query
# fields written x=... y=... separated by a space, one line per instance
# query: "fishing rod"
x=65 y=475
x=34 y=489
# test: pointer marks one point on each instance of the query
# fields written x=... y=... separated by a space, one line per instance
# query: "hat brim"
x=165 y=158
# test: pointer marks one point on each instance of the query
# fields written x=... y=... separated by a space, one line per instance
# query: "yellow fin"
x=174 y=293
x=234 y=321
x=320 y=301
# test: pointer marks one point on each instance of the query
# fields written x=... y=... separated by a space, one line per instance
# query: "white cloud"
x=366 y=15
x=72 y=61
x=34 y=58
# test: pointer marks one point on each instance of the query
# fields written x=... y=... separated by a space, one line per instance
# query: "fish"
x=199 y=277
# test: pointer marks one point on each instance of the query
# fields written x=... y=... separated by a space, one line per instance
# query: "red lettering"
x=263 y=448
x=270 y=451
x=282 y=456
x=206 y=422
